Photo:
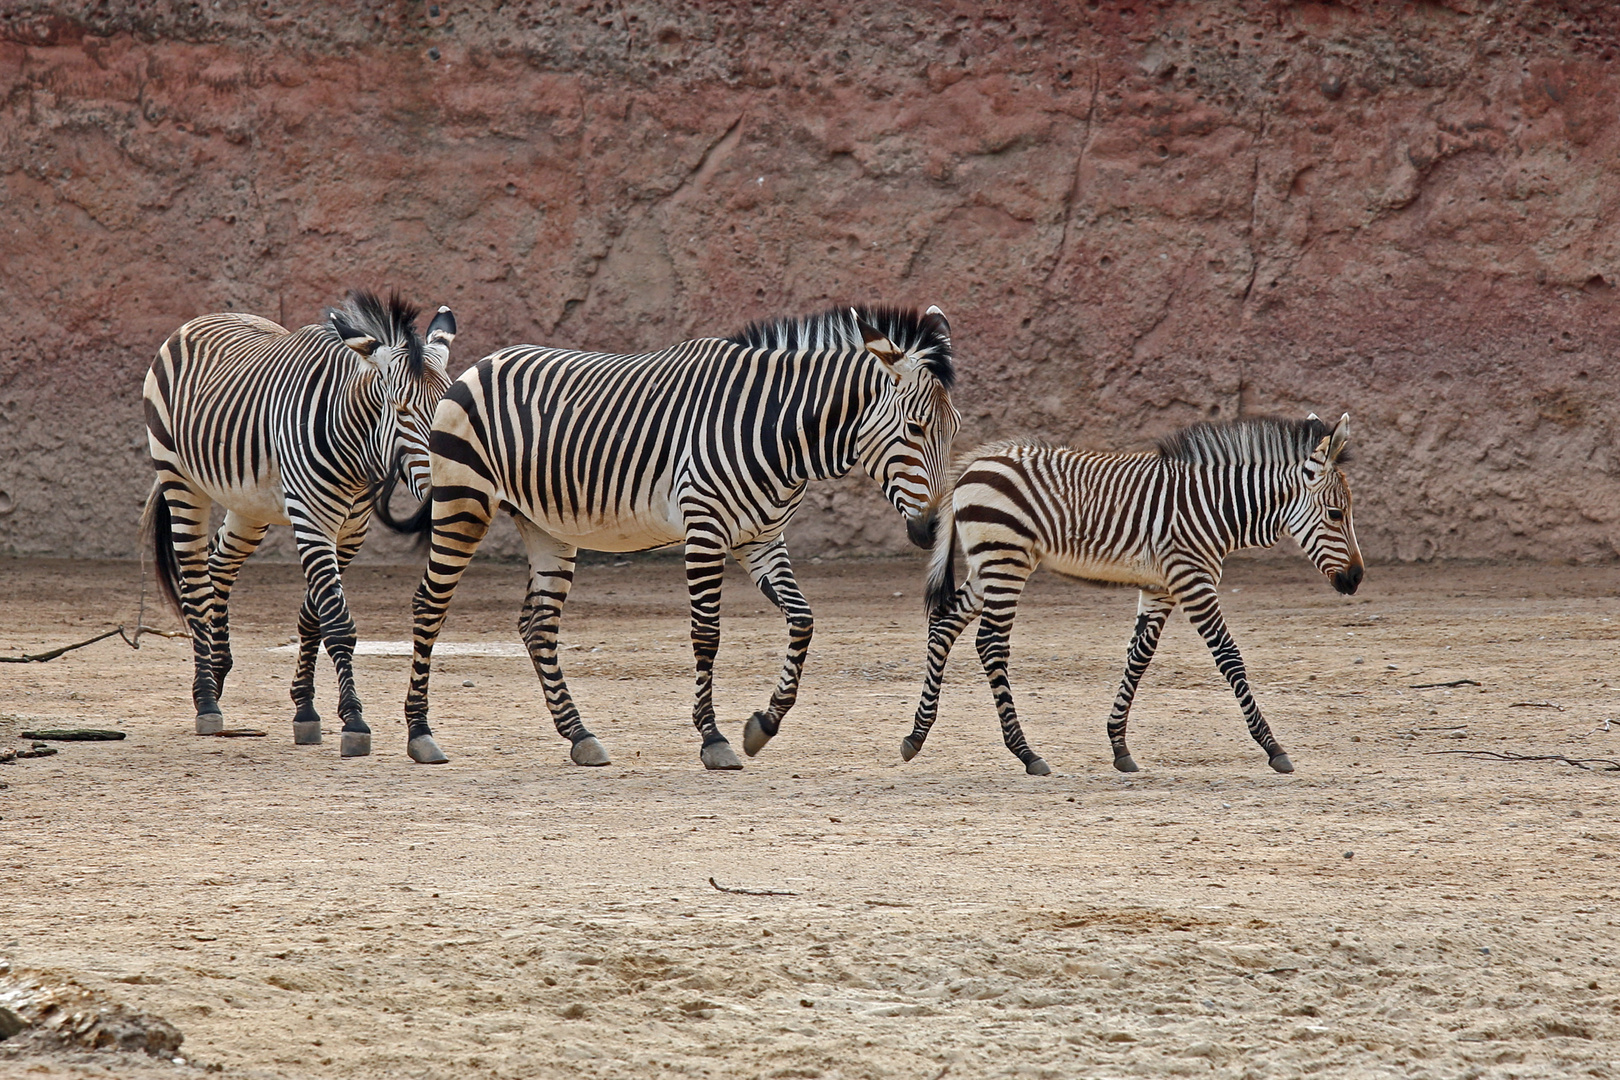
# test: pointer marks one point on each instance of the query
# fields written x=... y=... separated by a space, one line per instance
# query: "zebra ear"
x=442 y=330
x=356 y=339
x=1340 y=436
x=934 y=314
x=877 y=343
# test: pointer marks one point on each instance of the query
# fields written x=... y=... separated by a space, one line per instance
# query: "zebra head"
x=905 y=440
x=1319 y=518
x=411 y=372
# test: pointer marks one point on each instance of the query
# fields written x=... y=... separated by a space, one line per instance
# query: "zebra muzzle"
x=920 y=529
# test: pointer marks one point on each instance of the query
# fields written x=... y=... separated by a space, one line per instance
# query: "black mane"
x=393 y=323
x=1266 y=438
x=923 y=335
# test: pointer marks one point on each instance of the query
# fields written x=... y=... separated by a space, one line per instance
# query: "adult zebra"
x=709 y=443
x=284 y=427
x=1163 y=521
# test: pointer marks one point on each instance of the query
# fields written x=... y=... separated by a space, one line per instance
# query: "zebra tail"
x=941 y=590
x=159 y=531
x=419 y=523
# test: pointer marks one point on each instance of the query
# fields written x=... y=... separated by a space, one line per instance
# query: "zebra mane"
x=393 y=324
x=924 y=336
x=1229 y=442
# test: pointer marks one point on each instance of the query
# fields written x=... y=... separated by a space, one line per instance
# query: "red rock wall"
x=1135 y=214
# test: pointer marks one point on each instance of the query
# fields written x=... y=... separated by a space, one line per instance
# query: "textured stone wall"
x=1135 y=214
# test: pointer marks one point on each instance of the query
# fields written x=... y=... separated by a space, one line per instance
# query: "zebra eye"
x=1335 y=514
x=915 y=429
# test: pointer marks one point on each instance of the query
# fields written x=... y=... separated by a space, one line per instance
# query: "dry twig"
x=1605 y=764
x=1535 y=705
x=752 y=892
x=1438 y=685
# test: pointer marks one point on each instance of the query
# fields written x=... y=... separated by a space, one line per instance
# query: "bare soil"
x=1388 y=910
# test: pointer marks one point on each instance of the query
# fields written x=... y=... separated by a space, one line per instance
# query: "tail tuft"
x=941 y=590
x=419 y=523
x=158 y=528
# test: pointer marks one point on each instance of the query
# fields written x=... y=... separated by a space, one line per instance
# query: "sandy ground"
x=1385 y=911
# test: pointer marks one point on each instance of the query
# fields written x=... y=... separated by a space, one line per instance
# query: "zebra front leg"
x=551 y=576
x=461 y=517
x=943 y=631
x=306 y=720
x=705 y=568
x=318 y=553
x=237 y=539
x=768 y=565
x=1003 y=583
x=1152 y=609
x=1204 y=609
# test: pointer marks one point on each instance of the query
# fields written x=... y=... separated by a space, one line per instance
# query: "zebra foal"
x=284 y=428
x=1163 y=521
x=709 y=444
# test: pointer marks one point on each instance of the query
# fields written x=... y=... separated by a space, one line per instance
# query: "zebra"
x=1163 y=520
x=284 y=427
x=709 y=444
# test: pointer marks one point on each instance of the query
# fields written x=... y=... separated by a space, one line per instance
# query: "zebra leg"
x=188 y=516
x=318 y=553
x=942 y=634
x=1204 y=609
x=306 y=720
x=768 y=565
x=1002 y=586
x=1152 y=609
x=705 y=568
x=236 y=540
x=461 y=517
x=551 y=575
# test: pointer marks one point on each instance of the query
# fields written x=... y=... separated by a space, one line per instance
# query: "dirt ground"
x=1387 y=910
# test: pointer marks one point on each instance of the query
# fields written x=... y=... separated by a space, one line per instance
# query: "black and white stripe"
x=1163 y=521
x=708 y=444
x=284 y=428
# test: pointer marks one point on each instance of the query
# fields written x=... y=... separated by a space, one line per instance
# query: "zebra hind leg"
x=551 y=576
x=1003 y=583
x=237 y=539
x=943 y=631
x=1151 y=611
x=768 y=565
x=306 y=720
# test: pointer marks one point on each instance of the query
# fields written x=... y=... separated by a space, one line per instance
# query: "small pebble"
x=1391 y=667
x=1361 y=659
x=1576 y=813
x=1486 y=951
x=1226 y=806
x=466 y=682
x=1349 y=854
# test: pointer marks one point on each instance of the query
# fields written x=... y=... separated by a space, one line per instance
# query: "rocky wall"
x=1136 y=215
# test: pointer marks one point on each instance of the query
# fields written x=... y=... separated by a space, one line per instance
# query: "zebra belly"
x=632 y=532
x=264 y=502
x=1110 y=571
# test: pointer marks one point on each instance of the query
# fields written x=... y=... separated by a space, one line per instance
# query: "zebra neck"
x=1243 y=503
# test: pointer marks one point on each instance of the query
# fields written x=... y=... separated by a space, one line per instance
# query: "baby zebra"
x=1163 y=521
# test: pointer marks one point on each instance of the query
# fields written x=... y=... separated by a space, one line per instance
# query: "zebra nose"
x=1348 y=580
x=920 y=529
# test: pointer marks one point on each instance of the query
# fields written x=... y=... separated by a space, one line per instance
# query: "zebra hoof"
x=754 y=735
x=306 y=732
x=588 y=751
x=1126 y=763
x=1282 y=764
x=720 y=757
x=1037 y=767
x=425 y=751
x=356 y=744
x=908 y=749
x=210 y=723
